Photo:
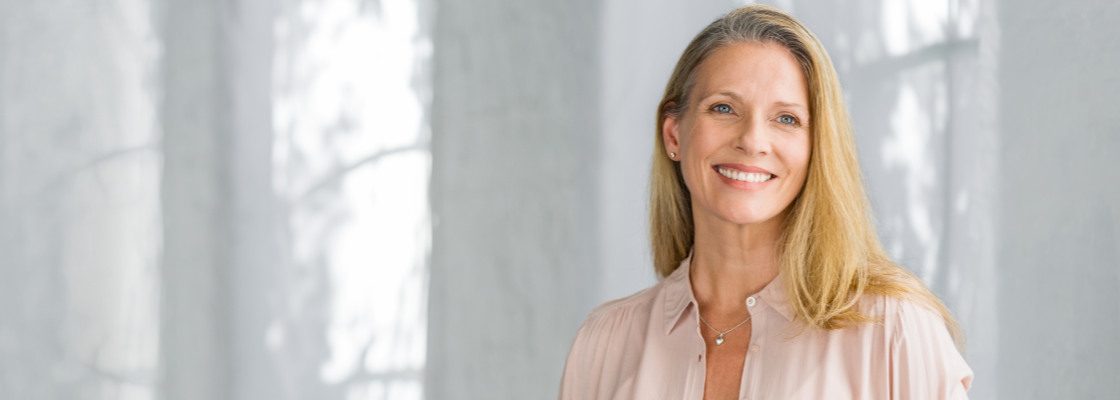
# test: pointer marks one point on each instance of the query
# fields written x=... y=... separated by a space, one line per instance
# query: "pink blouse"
x=648 y=346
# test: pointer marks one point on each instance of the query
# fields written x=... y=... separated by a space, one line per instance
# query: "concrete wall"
x=1059 y=247
x=516 y=160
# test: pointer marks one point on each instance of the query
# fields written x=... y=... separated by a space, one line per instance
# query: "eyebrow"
x=736 y=96
x=791 y=105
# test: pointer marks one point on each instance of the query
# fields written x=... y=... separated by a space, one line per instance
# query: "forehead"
x=755 y=71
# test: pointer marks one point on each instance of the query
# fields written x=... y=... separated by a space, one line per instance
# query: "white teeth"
x=754 y=177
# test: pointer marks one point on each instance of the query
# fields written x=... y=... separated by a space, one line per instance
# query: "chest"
x=724 y=363
x=761 y=360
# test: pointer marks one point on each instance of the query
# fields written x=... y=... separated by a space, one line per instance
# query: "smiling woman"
x=774 y=282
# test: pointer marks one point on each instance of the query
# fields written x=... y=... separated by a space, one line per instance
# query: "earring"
x=673 y=156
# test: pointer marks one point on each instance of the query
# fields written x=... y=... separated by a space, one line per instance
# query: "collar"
x=678 y=295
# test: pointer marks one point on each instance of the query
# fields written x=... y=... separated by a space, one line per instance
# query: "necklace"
x=719 y=337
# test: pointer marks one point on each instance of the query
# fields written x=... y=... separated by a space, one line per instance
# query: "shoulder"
x=921 y=352
x=634 y=309
x=608 y=341
x=902 y=316
x=905 y=321
x=911 y=321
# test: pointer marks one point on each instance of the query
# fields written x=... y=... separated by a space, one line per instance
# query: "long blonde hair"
x=829 y=252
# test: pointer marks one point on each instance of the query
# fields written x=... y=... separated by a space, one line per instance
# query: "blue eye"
x=787 y=119
x=722 y=108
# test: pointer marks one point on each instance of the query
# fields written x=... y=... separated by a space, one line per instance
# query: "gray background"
x=177 y=210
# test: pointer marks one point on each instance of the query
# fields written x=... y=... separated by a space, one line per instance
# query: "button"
x=751 y=301
x=754 y=348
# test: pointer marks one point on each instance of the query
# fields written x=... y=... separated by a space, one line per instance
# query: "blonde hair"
x=829 y=252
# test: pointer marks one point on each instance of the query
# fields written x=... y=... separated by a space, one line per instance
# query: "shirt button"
x=751 y=301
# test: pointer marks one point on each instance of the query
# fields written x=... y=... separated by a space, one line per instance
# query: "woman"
x=774 y=283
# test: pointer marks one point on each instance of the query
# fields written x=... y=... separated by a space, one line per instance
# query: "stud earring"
x=673 y=156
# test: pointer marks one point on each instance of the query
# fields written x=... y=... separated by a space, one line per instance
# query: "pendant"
x=719 y=339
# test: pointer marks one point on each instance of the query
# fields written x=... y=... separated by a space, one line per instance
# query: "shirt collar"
x=679 y=295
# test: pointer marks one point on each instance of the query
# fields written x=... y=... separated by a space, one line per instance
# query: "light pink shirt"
x=648 y=346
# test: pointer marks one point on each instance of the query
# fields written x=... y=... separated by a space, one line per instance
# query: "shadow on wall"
x=276 y=205
x=351 y=166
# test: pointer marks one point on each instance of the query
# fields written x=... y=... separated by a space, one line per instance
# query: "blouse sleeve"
x=594 y=365
x=924 y=361
x=578 y=380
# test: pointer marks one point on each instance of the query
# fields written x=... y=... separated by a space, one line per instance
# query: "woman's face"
x=743 y=140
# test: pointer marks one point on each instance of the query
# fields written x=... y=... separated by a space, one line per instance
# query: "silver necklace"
x=719 y=337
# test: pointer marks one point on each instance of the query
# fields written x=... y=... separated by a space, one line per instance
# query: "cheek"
x=696 y=145
x=795 y=154
x=799 y=161
x=802 y=159
x=693 y=173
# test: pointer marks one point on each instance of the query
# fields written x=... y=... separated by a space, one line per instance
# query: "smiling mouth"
x=752 y=177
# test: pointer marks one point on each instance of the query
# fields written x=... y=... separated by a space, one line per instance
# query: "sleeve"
x=596 y=363
x=583 y=369
x=925 y=363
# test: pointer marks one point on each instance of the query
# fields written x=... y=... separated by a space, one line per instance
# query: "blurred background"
x=422 y=199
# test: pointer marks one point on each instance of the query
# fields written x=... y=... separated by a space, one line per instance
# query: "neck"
x=731 y=262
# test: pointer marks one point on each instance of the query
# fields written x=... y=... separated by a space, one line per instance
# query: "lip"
x=744 y=168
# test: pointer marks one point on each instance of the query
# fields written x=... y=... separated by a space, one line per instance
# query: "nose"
x=754 y=138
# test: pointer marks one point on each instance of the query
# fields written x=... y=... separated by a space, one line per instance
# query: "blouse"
x=649 y=346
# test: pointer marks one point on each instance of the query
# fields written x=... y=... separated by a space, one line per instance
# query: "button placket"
x=752 y=373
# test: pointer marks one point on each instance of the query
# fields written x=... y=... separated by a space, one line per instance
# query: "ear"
x=670 y=132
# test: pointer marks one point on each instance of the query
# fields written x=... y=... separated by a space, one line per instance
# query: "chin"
x=747 y=216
